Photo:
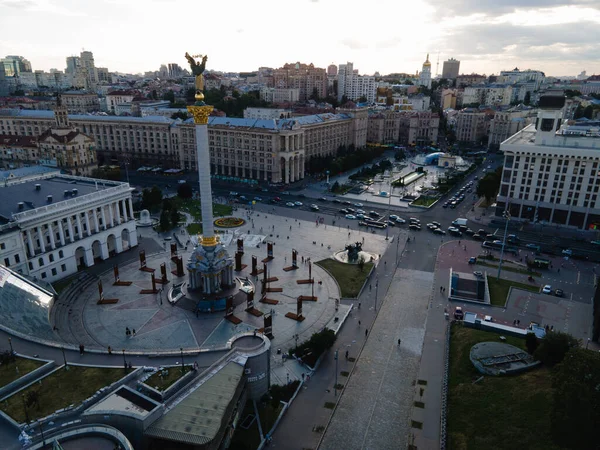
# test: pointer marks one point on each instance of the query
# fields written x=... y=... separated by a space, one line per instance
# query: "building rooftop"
x=578 y=135
x=124 y=401
x=18 y=141
x=24 y=172
x=56 y=186
x=197 y=419
x=48 y=114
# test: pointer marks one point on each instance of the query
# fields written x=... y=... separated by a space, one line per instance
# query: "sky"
x=559 y=37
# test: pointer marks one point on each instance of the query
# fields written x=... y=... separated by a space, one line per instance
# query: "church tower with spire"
x=425 y=75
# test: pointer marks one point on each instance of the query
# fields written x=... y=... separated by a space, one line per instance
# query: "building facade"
x=79 y=102
x=471 y=125
x=17 y=151
x=508 y=122
x=551 y=170
x=280 y=95
x=267 y=113
x=450 y=69
x=354 y=86
x=425 y=75
x=54 y=225
x=308 y=79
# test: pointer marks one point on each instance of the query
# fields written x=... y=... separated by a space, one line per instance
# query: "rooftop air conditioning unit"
x=21 y=205
x=74 y=191
x=38 y=187
x=67 y=193
x=49 y=198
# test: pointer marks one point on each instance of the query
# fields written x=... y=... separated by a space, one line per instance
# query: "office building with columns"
x=53 y=225
x=551 y=172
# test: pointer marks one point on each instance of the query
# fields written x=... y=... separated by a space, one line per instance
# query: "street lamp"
x=587 y=343
x=336 y=372
x=507 y=218
x=181 y=350
x=65 y=358
x=387 y=229
x=11 y=347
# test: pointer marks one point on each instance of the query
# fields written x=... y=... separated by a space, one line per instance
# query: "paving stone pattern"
x=374 y=410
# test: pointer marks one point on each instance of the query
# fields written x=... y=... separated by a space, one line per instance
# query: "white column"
x=286 y=169
x=40 y=232
x=104 y=224
x=110 y=215
x=95 y=217
x=70 y=228
x=204 y=179
x=124 y=210
x=87 y=223
x=30 y=242
x=61 y=232
x=51 y=234
x=117 y=212
x=131 y=206
x=79 y=227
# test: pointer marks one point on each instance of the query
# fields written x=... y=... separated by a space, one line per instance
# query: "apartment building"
x=507 y=122
x=115 y=98
x=307 y=78
x=354 y=86
x=280 y=95
x=471 y=125
x=267 y=113
x=80 y=102
x=419 y=128
x=551 y=170
x=450 y=69
x=53 y=225
x=384 y=127
x=17 y=151
x=488 y=95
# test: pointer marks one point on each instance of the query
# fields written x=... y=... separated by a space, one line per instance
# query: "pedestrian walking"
x=358 y=305
x=127 y=332
x=109 y=350
x=81 y=349
x=133 y=331
x=366 y=332
x=346 y=355
x=359 y=323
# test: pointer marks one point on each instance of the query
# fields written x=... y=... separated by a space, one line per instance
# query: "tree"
x=363 y=99
x=184 y=190
x=554 y=347
x=488 y=186
x=399 y=155
x=155 y=196
x=174 y=217
x=361 y=262
x=169 y=96
x=578 y=114
x=315 y=94
x=531 y=342
x=575 y=416
x=180 y=115
x=335 y=187
x=190 y=95
x=527 y=99
x=596 y=322
x=588 y=112
x=165 y=223
x=154 y=94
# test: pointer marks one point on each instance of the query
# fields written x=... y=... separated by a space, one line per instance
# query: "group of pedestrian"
x=128 y=332
x=442 y=289
x=516 y=322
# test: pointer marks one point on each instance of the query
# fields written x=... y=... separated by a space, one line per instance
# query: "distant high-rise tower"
x=450 y=69
x=332 y=70
x=73 y=64
x=425 y=75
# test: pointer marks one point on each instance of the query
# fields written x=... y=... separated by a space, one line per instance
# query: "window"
x=44 y=275
x=2 y=246
x=63 y=267
x=41 y=262
x=51 y=257
x=61 y=254
x=54 y=272
x=6 y=262
x=17 y=259
x=30 y=265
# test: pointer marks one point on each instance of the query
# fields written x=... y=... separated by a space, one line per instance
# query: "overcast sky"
x=560 y=37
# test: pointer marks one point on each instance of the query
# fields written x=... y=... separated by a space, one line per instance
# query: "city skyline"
x=546 y=35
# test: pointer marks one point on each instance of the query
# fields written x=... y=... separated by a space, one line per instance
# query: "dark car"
x=346 y=202
x=414 y=227
x=343 y=211
x=337 y=200
x=374 y=214
x=477 y=237
x=469 y=232
x=302 y=196
x=559 y=293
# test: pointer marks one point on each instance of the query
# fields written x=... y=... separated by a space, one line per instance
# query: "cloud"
x=42 y=6
x=499 y=7
x=18 y=4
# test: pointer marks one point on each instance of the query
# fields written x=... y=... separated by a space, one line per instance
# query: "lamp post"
x=181 y=350
x=42 y=433
x=296 y=339
x=336 y=372
x=65 y=358
x=11 y=347
x=387 y=229
x=507 y=217
x=587 y=343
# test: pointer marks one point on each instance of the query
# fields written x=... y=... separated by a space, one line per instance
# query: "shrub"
x=554 y=347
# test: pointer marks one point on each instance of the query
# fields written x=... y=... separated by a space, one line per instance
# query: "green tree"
x=315 y=94
x=184 y=190
x=155 y=196
x=174 y=217
x=154 y=94
x=190 y=95
x=169 y=96
x=488 y=186
x=578 y=112
x=363 y=99
x=531 y=342
x=399 y=155
x=575 y=415
x=180 y=115
x=335 y=187
x=588 y=112
x=165 y=223
x=554 y=347
x=527 y=99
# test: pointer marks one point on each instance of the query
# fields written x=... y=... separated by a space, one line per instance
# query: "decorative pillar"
x=30 y=246
x=70 y=228
x=61 y=232
x=79 y=227
x=95 y=217
x=115 y=205
x=110 y=215
x=51 y=235
x=124 y=210
x=104 y=224
x=87 y=223
x=40 y=233
x=286 y=164
x=131 y=207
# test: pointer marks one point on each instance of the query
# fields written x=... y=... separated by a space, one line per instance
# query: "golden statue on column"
x=197 y=68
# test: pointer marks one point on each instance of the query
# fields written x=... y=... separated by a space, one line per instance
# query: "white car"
x=488 y=319
x=478 y=274
x=400 y=220
x=350 y=216
x=290 y=204
x=360 y=211
x=547 y=289
x=298 y=203
x=393 y=217
x=358 y=205
x=361 y=216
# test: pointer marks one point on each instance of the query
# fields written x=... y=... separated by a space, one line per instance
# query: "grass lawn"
x=61 y=389
x=500 y=413
x=8 y=372
x=194 y=228
x=162 y=383
x=61 y=285
x=499 y=289
x=424 y=200
x=249 y=439
x=349 y=276
x=192 y=206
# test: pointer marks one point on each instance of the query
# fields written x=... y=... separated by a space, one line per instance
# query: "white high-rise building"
x=425 y=75
x=354 y=86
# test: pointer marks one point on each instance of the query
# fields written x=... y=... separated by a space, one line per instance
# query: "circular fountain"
x=145 y=220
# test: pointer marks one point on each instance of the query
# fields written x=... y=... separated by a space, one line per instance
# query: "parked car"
x=534 y=247
x=547 y=289
x=439 y=231
x=337 y=200
x=350 y=216
x=473 y=260
x=290 y=204
x=346 y=202
x=393 y=217
x=391 y=223
x=277 y=199
x=314 y=207
x=361 y=216
x=488 y=319
x=400 y=220
x=567 y=252
x=298 y=203
x=478 y=274
x=559 y=293
x=343 y=211
x=323 y=199
x=374 y=214
x=469 y=232
x=258 y=199
x=458 y=313
x=414 y=227
x=358 y=205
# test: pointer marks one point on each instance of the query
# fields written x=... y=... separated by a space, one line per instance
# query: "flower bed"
x=229 y=222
